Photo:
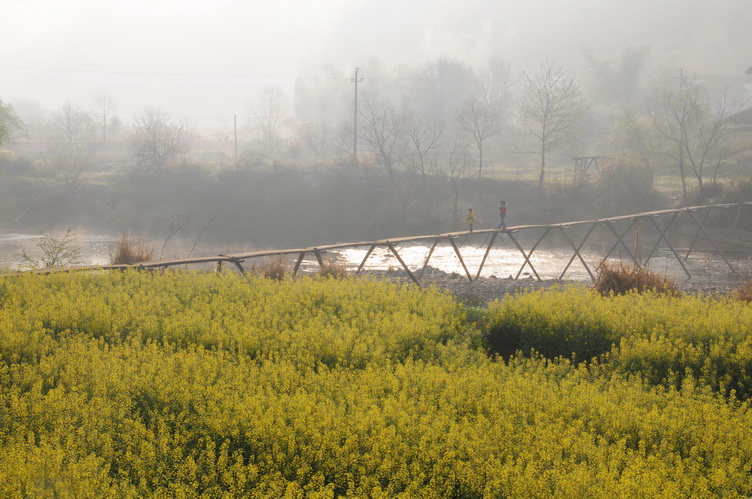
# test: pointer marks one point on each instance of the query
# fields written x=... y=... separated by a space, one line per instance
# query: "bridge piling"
x=485 y=255
x=527 y=256
x=404 y=265
x=702 y=228
x=577 y=250
x=459 y=255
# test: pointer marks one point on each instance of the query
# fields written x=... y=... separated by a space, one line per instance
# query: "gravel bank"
x=487 y=289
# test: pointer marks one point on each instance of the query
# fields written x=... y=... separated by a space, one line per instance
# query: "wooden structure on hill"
x=655 y=231
x=583 y=163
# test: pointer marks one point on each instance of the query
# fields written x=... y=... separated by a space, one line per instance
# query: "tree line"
x=441 y=119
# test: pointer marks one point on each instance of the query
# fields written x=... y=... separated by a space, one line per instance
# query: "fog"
x=205 y=61
x=92 y=79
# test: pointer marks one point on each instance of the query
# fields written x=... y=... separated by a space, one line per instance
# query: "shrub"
x=333 y=269
x=620 y=279
x=709 y=194
x=275 y=270
x=559 y=322
x=659 y=338
x=55 y=252
x=127 y=252
x=471 y=300
x=743 y=292
x=625 y=186
x=737 y=190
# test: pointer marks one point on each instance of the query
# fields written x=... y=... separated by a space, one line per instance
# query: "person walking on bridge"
x=470 y=218
x=502 y=215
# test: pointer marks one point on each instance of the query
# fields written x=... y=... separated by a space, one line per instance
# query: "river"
x=504 y=259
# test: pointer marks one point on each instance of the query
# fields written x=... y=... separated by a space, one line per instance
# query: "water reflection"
x=547 y=264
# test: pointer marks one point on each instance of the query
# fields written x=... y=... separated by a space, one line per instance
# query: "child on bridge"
x=502 y=215
x=470 y=218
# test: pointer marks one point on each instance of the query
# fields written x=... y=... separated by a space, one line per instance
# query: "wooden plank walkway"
x=695 y=218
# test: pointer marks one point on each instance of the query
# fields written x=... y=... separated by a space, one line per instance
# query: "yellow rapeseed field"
x=130 y=384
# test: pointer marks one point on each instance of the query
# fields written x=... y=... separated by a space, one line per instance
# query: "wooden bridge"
x=701 y=229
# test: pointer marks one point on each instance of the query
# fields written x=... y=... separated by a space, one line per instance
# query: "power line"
x=150 y=73
x=230 y=75
x=356 y=80
x=108 y=142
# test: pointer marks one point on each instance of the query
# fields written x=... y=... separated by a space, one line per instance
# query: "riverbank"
x=485 y=290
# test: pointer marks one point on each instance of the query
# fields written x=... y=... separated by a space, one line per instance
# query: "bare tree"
x=458 y=163
x=698 y=131
x=440 y=88
x=616 y=79
x=104 y=112
x=73 y=133
x=156 y=139
x=479 y=122
x=55 y=252
x=423 y=136
x=343 y=141
x=549 y=111
x=381 y=132
x=317 y=136
x=495 y=85
x=267 y=116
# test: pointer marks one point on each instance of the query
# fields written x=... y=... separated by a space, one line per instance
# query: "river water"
x=95 y=248
x=504 y=260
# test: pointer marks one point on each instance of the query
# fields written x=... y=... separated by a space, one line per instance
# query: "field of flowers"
x=664 y=340
x=132 y=384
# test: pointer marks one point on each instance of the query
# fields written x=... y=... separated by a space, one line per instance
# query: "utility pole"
x=355 y=117
x=235 y=122
x=682 y=126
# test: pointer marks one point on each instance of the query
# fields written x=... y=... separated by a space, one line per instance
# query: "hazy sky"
x=206 y=60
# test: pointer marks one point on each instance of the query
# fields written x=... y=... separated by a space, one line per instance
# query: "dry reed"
x=620 y=279
x=128 y=252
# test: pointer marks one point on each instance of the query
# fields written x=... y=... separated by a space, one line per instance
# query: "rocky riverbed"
x=487 y=289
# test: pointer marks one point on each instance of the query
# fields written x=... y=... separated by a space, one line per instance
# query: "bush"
x=661 y=339
x=742 y=292
x=620 y=279
x=275 y=270
x=625 y=186
x=56 y=252
x=333 y=269
x=711 y=192
x=128 y=252
x=559 y=322
x=738 y=190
